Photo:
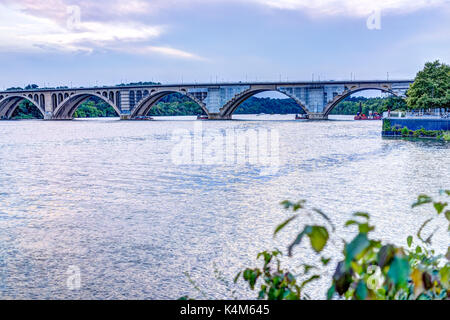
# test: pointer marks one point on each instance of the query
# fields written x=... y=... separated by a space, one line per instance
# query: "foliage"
x=350 y=106
x=256 y=105
x=369 y=270
x=133 y=84
x=27 y=110
x=405 y=132
x=387 y=125
x=431 y=87
x=446 y=136
x=31 y=87
x=95 y=108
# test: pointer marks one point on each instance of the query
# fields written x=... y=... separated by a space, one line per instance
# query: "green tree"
x=431 y=87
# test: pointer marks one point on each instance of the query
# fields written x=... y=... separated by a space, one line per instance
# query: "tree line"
x=179 y=105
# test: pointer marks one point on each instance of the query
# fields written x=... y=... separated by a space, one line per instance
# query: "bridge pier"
x=218 y=116
x=317 y=116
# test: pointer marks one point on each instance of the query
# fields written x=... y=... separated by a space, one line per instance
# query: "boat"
x=202 y=117
x=375 y=116
x=362 y=116
x=142 y=118
x=302 y=116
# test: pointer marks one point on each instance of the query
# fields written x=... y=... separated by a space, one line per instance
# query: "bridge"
x=218 y=101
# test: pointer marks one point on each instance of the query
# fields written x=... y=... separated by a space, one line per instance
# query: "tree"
x=431 y=87
x=31 y=87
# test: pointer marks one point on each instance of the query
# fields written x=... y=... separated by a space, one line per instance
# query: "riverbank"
x=424 y=128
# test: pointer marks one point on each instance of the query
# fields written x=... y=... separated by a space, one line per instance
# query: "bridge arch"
x=332 y=104
x=67 y=108
x=149 y=100
x=9 y=104
x=230 y=107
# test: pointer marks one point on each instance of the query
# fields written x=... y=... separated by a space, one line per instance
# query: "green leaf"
x=365 y=228
x=409 y=241
x=361 y=291
x=297 y=241
x=399 y=271
x=361 y=214
x=421 y=200
x=237 y=277
x=319 y=237
x=354 y=248
x=307 y=268
x=342 y=278
x=351 y=222
x=294 y=205
x=427 y=281
x=419 y=233
x=286 y=204
x=331 y=292
x=439 y=206
x=326 y=218
x=284 y=224
x=445 y=276
x=304 y=283
x=325 y=261
x=385 y=255
x=447 y=215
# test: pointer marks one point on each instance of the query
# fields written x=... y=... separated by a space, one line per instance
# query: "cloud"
x=167 y=51
x=120 y=8
x=357 y=8
x=109 y=25
x=51 y=26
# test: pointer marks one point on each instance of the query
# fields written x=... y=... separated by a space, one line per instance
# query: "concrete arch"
x=229 y=108
x=67 y=108
x=147 y=102
x=332 y=104
x=54 y=101
x=9 y=104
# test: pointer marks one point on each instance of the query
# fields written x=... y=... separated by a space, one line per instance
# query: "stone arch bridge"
x=218 y=101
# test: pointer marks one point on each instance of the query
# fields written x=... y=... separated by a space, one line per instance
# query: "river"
x=105 y=198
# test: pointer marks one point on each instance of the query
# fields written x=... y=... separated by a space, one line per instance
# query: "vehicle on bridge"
x=202 y=117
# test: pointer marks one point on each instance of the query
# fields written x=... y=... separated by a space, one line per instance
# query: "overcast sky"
x=108 y=42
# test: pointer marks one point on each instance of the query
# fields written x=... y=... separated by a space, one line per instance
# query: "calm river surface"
x=106 y=198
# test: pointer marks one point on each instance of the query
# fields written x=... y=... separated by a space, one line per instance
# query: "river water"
x=105 y=200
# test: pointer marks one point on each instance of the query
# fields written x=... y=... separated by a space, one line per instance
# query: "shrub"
x=405 y=132
x=369 y=270
x=446 y=136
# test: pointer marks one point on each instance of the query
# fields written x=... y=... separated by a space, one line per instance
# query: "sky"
x=87 y=43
